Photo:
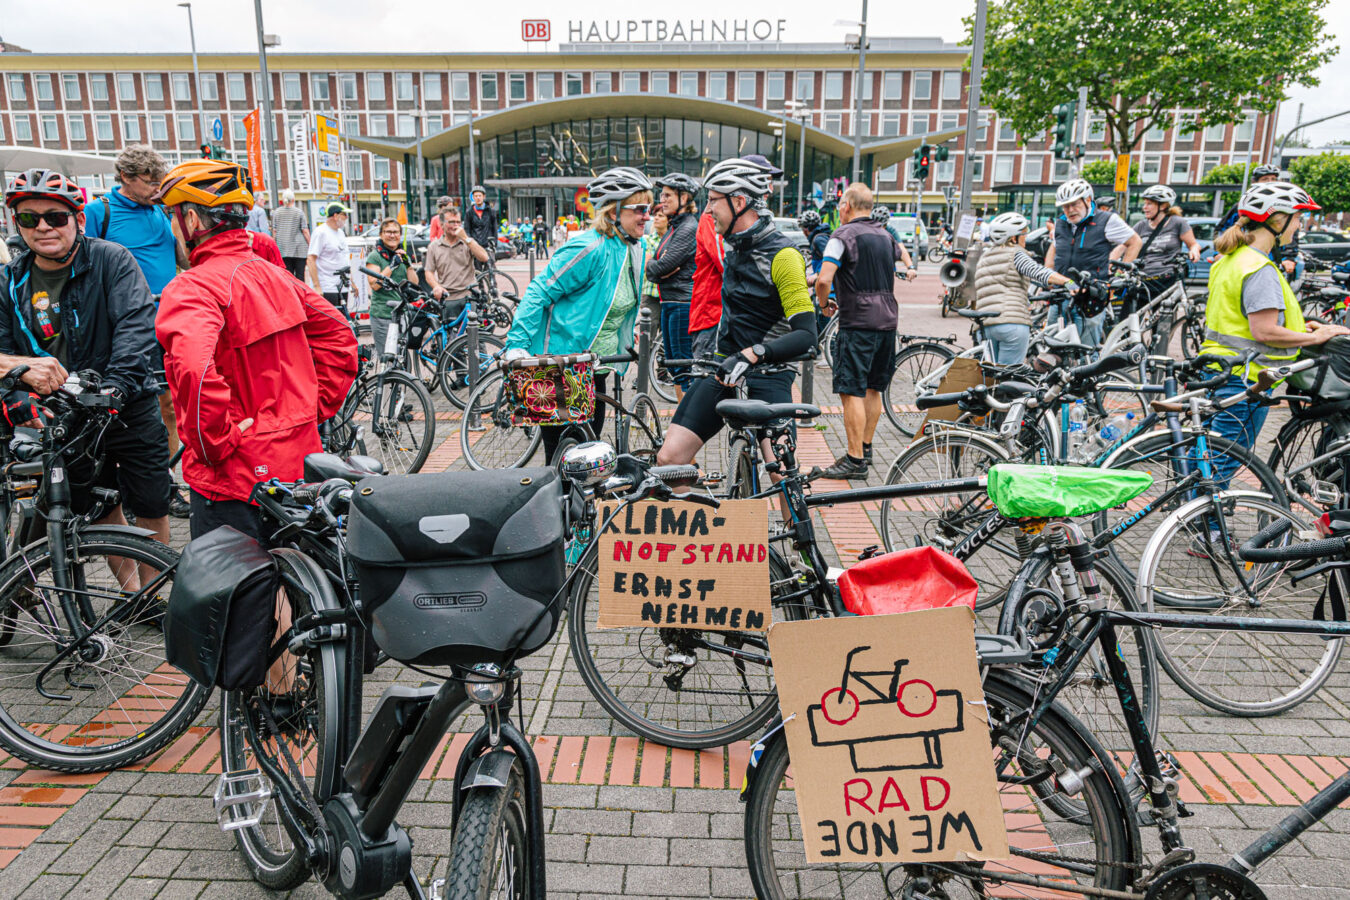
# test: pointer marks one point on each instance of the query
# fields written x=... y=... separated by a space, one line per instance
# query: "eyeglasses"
x=56 y=218
x=148 y=180
x=641 y=209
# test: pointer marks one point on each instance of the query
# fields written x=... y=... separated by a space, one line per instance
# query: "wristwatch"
x=759 y=350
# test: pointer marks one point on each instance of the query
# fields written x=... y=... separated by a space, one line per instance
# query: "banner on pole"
x=330 y=154
x=253 y=142
x=300 y=156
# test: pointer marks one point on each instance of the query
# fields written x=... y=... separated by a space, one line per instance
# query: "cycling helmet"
x=809 y=220
x=1069 y=191
x=206 y=182
x=1265 y=169
x=1274 y=196
x=739 y=176
x=478 y=189
x=39 y=183
x=677 y=181
x=615 y=185
x=1160 y=193
x=880 y=213
x=1007 y=226
x=1106 y=201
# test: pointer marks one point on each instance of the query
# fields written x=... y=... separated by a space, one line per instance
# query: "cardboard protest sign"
x=890 y=744
x=677 y=565
x=962 y=374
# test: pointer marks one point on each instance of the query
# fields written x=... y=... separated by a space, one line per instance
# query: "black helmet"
x=1106 y=200
x=678 y=182
x=809 y=220
x=1265 y=169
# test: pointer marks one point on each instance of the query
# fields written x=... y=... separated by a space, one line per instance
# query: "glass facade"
x=580 y=149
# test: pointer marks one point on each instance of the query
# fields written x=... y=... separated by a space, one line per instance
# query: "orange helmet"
x=207 y=182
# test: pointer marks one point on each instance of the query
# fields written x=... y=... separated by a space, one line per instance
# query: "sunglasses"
x=56 y=218
x=641 y=209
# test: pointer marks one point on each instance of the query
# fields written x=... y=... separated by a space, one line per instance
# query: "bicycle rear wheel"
x=115 y=701
x=658 y=376
x=396 y=421
x=641 y=429
x=487 y=439
x=452 y=369
x=911 y=364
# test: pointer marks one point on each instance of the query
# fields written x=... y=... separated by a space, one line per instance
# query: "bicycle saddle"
x=756 y=412
x=978 y=314
x=323 y=466
x=1065 y=345
x=1012 y=390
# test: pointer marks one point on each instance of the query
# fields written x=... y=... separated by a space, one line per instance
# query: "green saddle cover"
x=1026 y=492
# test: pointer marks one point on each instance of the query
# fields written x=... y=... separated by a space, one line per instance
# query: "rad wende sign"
x=587 y=31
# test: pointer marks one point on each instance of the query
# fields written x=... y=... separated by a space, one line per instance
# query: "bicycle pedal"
x=437 y=889
x=240 y=799
x=1325 y=493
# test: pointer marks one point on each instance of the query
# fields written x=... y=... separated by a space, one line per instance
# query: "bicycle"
x=85 y=684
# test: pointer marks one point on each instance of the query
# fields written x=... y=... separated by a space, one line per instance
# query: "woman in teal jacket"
x=587 y=298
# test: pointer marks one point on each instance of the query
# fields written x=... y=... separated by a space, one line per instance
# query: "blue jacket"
x=144 y=230
x=563 y=308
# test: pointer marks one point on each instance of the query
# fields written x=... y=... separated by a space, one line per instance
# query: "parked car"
x=416 y=236
x=1332 y=246
x=903 y=229
x=794 y=233
x=1206 y=229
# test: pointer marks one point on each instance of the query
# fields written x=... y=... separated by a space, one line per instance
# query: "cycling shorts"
x=698 y=410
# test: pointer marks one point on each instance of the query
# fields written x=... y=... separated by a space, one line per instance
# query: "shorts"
x=157 y=369
x=208 y=515
x=703 y=344
x=863 y=361
x=698 y=410
x=135 y=452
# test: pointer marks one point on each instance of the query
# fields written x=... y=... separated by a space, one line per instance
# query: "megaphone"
x=953 y=272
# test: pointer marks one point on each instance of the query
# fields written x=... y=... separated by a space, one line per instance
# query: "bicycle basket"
x=221 y=617
x=552 y=390
x=459 y=568
x=905 y=581
x=1330 y=381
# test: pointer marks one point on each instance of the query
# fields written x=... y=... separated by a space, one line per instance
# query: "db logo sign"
x=535 y=30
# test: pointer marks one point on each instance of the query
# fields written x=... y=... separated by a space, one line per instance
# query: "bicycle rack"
x=228 y=800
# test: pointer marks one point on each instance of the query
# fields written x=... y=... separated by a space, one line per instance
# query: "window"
x=237 y=130
x=374 y=87
x=1149 y=168
x=1033 y=169
x=834 y=85
x=431 y=87
x=379 y=126
x=381 y=169
x=234 y=86
x=1005 y=131
x=126 y=86
x=186 y=126
x=515 y=85
x=351 y=125
x=1061 y=170
x=1155 y=133
x=544 y=87
x=1181 y=170
x=356 y=170
x=1003 y=170
x=42 y=86
x=918 y=124
x=946 y=171
x=159 y=128
x=459 y=85
x=1245 y=130
x=23 y=129
x=689 y=84
x=103 y=128
x=984 y=128
x=131 y=129
x=890 y=125
x=977 y=170
x=98 y=87
x=717 y=86
x=406 y=128
x=572 y=84
x=602 y=82
x=347 y=85
x=70 y=86
x=773 y=85
x=805 y=85
x=660 y=83
x=154 y=88
x=181 y=84
x=290 y=86
x=1215 y=132
x=1096 y=128
x=75 y=128
x=745 y=86
x=487 y=85
x=16 y=89
x=630 y=82
x=892 y=86
x=459 y=118
x=403 y=86
x=51 y=132
x=923 y=85
x=951 y=85
x=834 y=123
x=318 y=88
x=890 y=173
x=207 y=88
x=949 y=121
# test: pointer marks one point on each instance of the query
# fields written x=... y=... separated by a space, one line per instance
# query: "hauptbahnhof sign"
x=583 y=31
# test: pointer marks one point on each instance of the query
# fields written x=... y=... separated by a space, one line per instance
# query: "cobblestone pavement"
x=626 y=818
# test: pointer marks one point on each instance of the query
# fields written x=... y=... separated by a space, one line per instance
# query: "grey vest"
x=1083 y=246
x=999 y=286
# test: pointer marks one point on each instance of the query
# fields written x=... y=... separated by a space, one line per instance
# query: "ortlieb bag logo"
x=465 y=600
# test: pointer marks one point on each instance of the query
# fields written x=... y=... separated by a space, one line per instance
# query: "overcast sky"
x=441 y=25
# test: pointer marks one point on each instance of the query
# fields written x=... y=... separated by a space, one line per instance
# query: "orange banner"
x=254 y=144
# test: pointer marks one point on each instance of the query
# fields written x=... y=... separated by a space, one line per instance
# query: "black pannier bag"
x=221 y=618
x=456 y=568
x=1330 y=381
x=419 y=326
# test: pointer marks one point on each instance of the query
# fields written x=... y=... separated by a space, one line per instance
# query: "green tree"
x=1229 y=173
x=1143 y=59
x=1103 y=171
x=1326 y=177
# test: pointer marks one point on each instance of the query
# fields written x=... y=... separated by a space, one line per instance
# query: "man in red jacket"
x=254 y=358
x=705 y=307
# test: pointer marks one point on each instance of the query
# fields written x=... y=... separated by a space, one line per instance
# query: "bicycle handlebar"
x=931 y=401
x=1255 y=549
x=1107 y=364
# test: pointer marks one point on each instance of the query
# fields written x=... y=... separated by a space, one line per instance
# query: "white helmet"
x=1075 y=189
x=1007 y=226
x=732 y=176
x=1160 y=193
x=613 y=185
x=1274 y=196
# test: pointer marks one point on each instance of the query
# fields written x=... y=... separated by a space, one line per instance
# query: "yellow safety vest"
x=1227 y=330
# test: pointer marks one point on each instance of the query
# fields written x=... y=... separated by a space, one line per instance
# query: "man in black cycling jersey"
x=767 y=314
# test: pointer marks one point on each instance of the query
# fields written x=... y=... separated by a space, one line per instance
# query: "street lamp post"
x=973 y=104
x=420 y=181
x=781 y=131
x=267 y=104
x=196 y=74
x=473 y=166
x=802 y=115
x=858 y=94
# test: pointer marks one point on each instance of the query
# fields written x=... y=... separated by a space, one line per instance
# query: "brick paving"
x=626 y=817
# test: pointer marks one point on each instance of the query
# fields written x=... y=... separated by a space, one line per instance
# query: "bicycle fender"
x=1160 y=428
x=492 y=769
x=95 y=530
x=309 y=575
x=757 y=749
x=1154 y=545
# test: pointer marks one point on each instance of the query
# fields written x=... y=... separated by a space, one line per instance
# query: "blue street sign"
x=217 y=129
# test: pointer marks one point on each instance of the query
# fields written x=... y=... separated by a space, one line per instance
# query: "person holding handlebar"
x=390 y=260
x=1006 y=272
x=1087 y=238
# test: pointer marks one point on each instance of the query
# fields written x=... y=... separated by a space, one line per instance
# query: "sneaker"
x=179 y=507
x=847 y=469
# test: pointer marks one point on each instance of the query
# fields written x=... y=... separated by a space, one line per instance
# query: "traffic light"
x=213 y=151
x=940 y=152
x=384 y=192
x=923 y=157
x=1064 y=116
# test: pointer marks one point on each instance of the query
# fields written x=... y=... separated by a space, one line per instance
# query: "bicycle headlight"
x=484 y=685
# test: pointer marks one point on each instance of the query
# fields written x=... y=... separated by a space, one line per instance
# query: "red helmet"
x=38 y=183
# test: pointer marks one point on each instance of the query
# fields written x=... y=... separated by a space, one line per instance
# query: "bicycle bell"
x=589 y=463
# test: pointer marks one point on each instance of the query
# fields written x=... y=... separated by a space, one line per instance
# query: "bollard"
x=471 y=364
x=808 y=379
x=644 y=348
x=530 y=254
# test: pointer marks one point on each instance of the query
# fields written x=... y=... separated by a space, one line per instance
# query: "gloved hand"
x=24 y=407
x=733 y=369
x=512 y=354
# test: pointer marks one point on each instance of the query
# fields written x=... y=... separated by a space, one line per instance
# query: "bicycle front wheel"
x=490 y=857
x=1192 y=562
x=396 y=421
x=452 y=369
x=658 y=376
x=113 y=700
x=911 y=364
x=487 y=439
x=1088 y=849
x=641 y=429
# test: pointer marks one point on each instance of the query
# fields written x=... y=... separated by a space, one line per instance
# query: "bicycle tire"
x=936 y=254
x=643 y=434
x=400 y=440
x=497 y=288
x=631 y=695
x=1299 y=442
x=314 y=679
x=498 y=444
x=25 y=595
x=452 y=368
x=658 y=377
x=1108 y=836
x=421 y=363
x=912 y=363
x=491 y=850
x=1250 y=675
x=574 y=435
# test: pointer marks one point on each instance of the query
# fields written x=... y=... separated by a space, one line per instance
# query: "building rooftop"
x=874 y=45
